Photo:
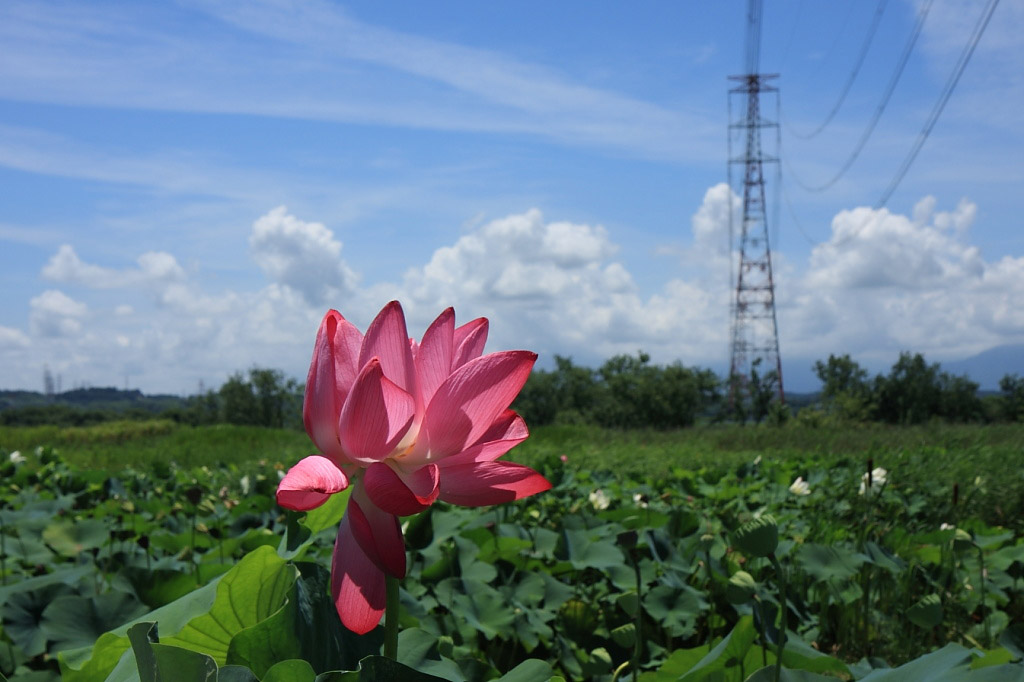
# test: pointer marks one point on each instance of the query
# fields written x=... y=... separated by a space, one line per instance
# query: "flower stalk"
x=391 y=610
x=781 y=575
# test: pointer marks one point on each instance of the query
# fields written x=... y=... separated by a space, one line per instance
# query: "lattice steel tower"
x=755 y=334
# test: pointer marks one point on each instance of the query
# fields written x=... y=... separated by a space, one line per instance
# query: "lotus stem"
x=391 y=618
x=782 y=613
x=639 y=643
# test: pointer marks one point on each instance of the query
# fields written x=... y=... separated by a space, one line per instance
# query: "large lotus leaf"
x=251 y=592
x=294 y=670
x=477 y=604
x=584 y=551
x=727 y=655
x=73 y=621
x=28 y=550
x=66 y=576
x=799 y=655
x=948 y=663
x=767 y=674
x=71 y=538
x=243 y=583
x=236 y=673
x=302 y=529
x=418 y=650
x=22 y=615
x=108 y=659
x=530 y=670
x=379 y=669
x=678 y=663
x=826 y=562
x=676 y=608
x=162 y=663
x=306 y=628
x=159 y=586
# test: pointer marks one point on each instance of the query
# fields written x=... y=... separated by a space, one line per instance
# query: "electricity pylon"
x=755 y=333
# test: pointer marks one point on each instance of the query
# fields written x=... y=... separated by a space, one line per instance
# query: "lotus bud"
x=926 y=613
x=741 y=588
x=962 y=540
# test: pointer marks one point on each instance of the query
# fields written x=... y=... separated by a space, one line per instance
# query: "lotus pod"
x=927 y=612
x=580 y=618
x=758 y=537
x=625 y=635
x=741 y=588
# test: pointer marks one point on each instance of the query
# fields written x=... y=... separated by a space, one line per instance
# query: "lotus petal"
x=467 y=403
x=357 y=585
x=402 y=494
x=485 y=483
x=376 y=415
x=309 y=483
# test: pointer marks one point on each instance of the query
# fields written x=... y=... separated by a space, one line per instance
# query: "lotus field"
x=113 y=562
x=408 y=540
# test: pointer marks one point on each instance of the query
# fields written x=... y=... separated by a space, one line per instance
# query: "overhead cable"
x=954 y=77
x=890 y=88
x=879 y=10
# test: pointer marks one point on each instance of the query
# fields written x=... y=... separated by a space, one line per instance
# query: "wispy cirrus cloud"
x=325 y=65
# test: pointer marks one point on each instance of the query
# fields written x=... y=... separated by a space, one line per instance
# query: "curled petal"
x=433 y=356
x=468 y=402
x=377 y=533
x=376 y=415
x=309 y=483
x=330 y=377
x=507 y=431
x=387 y=339
x=470 y=340
x=401 y=493
x=484 y=483
x=357 y=584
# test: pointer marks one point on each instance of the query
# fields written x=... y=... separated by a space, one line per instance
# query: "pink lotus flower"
x=406 y=424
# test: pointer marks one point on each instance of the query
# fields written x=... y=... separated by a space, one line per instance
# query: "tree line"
x=627 y=391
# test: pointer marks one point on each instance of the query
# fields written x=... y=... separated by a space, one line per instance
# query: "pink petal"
x=387 y=339
x=376 y=415
x=433 y=357
x=309 y=483
x=507 y=431
x=357 y=585
x=401 y=494
x=467 y=403
x=330 y=377
x=483 y=483
x=469 y=339
x=377 y=533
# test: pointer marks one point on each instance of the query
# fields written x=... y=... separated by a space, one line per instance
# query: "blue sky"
x=188 y=186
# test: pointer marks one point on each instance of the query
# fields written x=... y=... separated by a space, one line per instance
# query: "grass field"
x=950 y=453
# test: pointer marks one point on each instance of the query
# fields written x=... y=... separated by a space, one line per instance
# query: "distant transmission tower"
x=755 y=333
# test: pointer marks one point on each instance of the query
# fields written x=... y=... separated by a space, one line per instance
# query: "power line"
x=868 y=39
x=947 y=92
x=890 y=88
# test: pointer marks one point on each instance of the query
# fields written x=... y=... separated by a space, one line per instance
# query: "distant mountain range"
x=985 y=368
x=989 y=366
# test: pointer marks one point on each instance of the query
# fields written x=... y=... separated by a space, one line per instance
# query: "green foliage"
x=625 y=392
x=1011 y=404
x=546 y=586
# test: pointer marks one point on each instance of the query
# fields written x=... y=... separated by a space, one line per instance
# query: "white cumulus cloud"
x=886 y=281
x=303 y=256
x=154 y=267
x=54 y=313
